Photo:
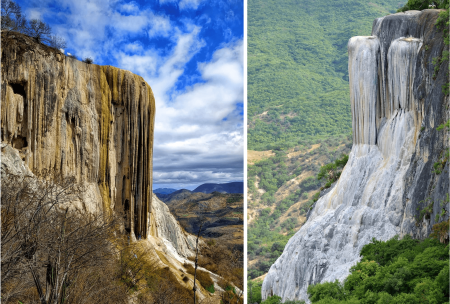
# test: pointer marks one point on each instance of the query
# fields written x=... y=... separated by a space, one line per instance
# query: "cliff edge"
x=84 y=120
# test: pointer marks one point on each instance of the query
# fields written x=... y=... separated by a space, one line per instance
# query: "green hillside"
x=297 y=67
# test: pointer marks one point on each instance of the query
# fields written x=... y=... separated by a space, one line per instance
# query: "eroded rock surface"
x=397 y=103
x=84 y=120
x=165 y=226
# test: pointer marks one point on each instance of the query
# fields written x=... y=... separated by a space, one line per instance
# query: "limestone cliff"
x=164 y=226
x=397 y=103
x=84 y=120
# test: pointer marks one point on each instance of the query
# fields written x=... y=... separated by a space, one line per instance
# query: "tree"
x=332 y=170
x=57 y=42
x=423 y=4
x=39 y=30
x=202 y=221
x=12 y=18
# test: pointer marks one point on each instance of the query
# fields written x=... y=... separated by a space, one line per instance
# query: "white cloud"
x=189 y=4
x=184 y=4
x=160 y=26
x=131 y=7
x=34 y=14
x=191 y=125
x=198 y=133
x=134 y=47
x=95 y=27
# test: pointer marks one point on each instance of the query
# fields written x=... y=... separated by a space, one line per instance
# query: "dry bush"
x=202 y=276
x=48 y=249
x=230 y=297
x=205 y=262
x=134 y=270
x=145 y=281
x=167 y=290
x=226 y=263
x=98 y=285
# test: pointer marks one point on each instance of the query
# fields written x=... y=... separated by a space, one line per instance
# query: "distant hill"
x=222 y=212
x=176 y=195
x=235 y=187
x=297 y=67
x=164 y=190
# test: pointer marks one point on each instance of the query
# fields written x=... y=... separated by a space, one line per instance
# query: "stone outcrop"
x=397 y=103
x=84 y=120
x=163 y=225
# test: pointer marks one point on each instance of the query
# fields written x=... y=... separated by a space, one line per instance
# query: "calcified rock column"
x=363 y=56
x=84 y=120
x=394 y=99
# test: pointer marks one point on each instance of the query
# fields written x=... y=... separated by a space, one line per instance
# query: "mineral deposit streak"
x=396 y=106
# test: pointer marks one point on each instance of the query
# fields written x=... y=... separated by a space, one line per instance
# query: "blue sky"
x=191 y=53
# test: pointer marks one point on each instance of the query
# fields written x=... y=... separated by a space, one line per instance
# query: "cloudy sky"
x=191 y=53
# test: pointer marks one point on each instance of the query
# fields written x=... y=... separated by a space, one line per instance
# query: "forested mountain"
x=297 y=67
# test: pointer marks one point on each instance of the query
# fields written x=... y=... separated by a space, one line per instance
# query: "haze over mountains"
x=233 y=187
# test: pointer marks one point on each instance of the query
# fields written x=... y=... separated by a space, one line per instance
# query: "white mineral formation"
x=373 y=197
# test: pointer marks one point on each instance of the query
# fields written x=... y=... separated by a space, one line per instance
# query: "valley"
x=220 y=214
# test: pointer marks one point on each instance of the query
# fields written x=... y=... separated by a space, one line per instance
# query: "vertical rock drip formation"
x=397 y=103
x=364 y=53
x=84 y=120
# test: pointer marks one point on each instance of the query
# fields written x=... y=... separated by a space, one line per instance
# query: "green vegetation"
x=234 y=199
x=423 y=4
x=298 y=67
x=443 y=126
x=277 y=221
x=332 y=171
x=441 y=22
x=426 y=211
x=211 y=289
x=277 y=300
x=396 y=271
x=445 y=155
x=254 y=291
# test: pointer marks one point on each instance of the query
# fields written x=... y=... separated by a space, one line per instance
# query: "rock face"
x=84 y=120
x=165 y=226
x=397 y=103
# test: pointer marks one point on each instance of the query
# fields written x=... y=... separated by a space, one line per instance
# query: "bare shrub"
x=47 y=248
x=202 y=276
x=13 y=20
x=57 y=42
x=167 y=290
x=39 y=30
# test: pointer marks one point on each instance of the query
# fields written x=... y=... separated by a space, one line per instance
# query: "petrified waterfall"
x=397 y=103
x=84 y=120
